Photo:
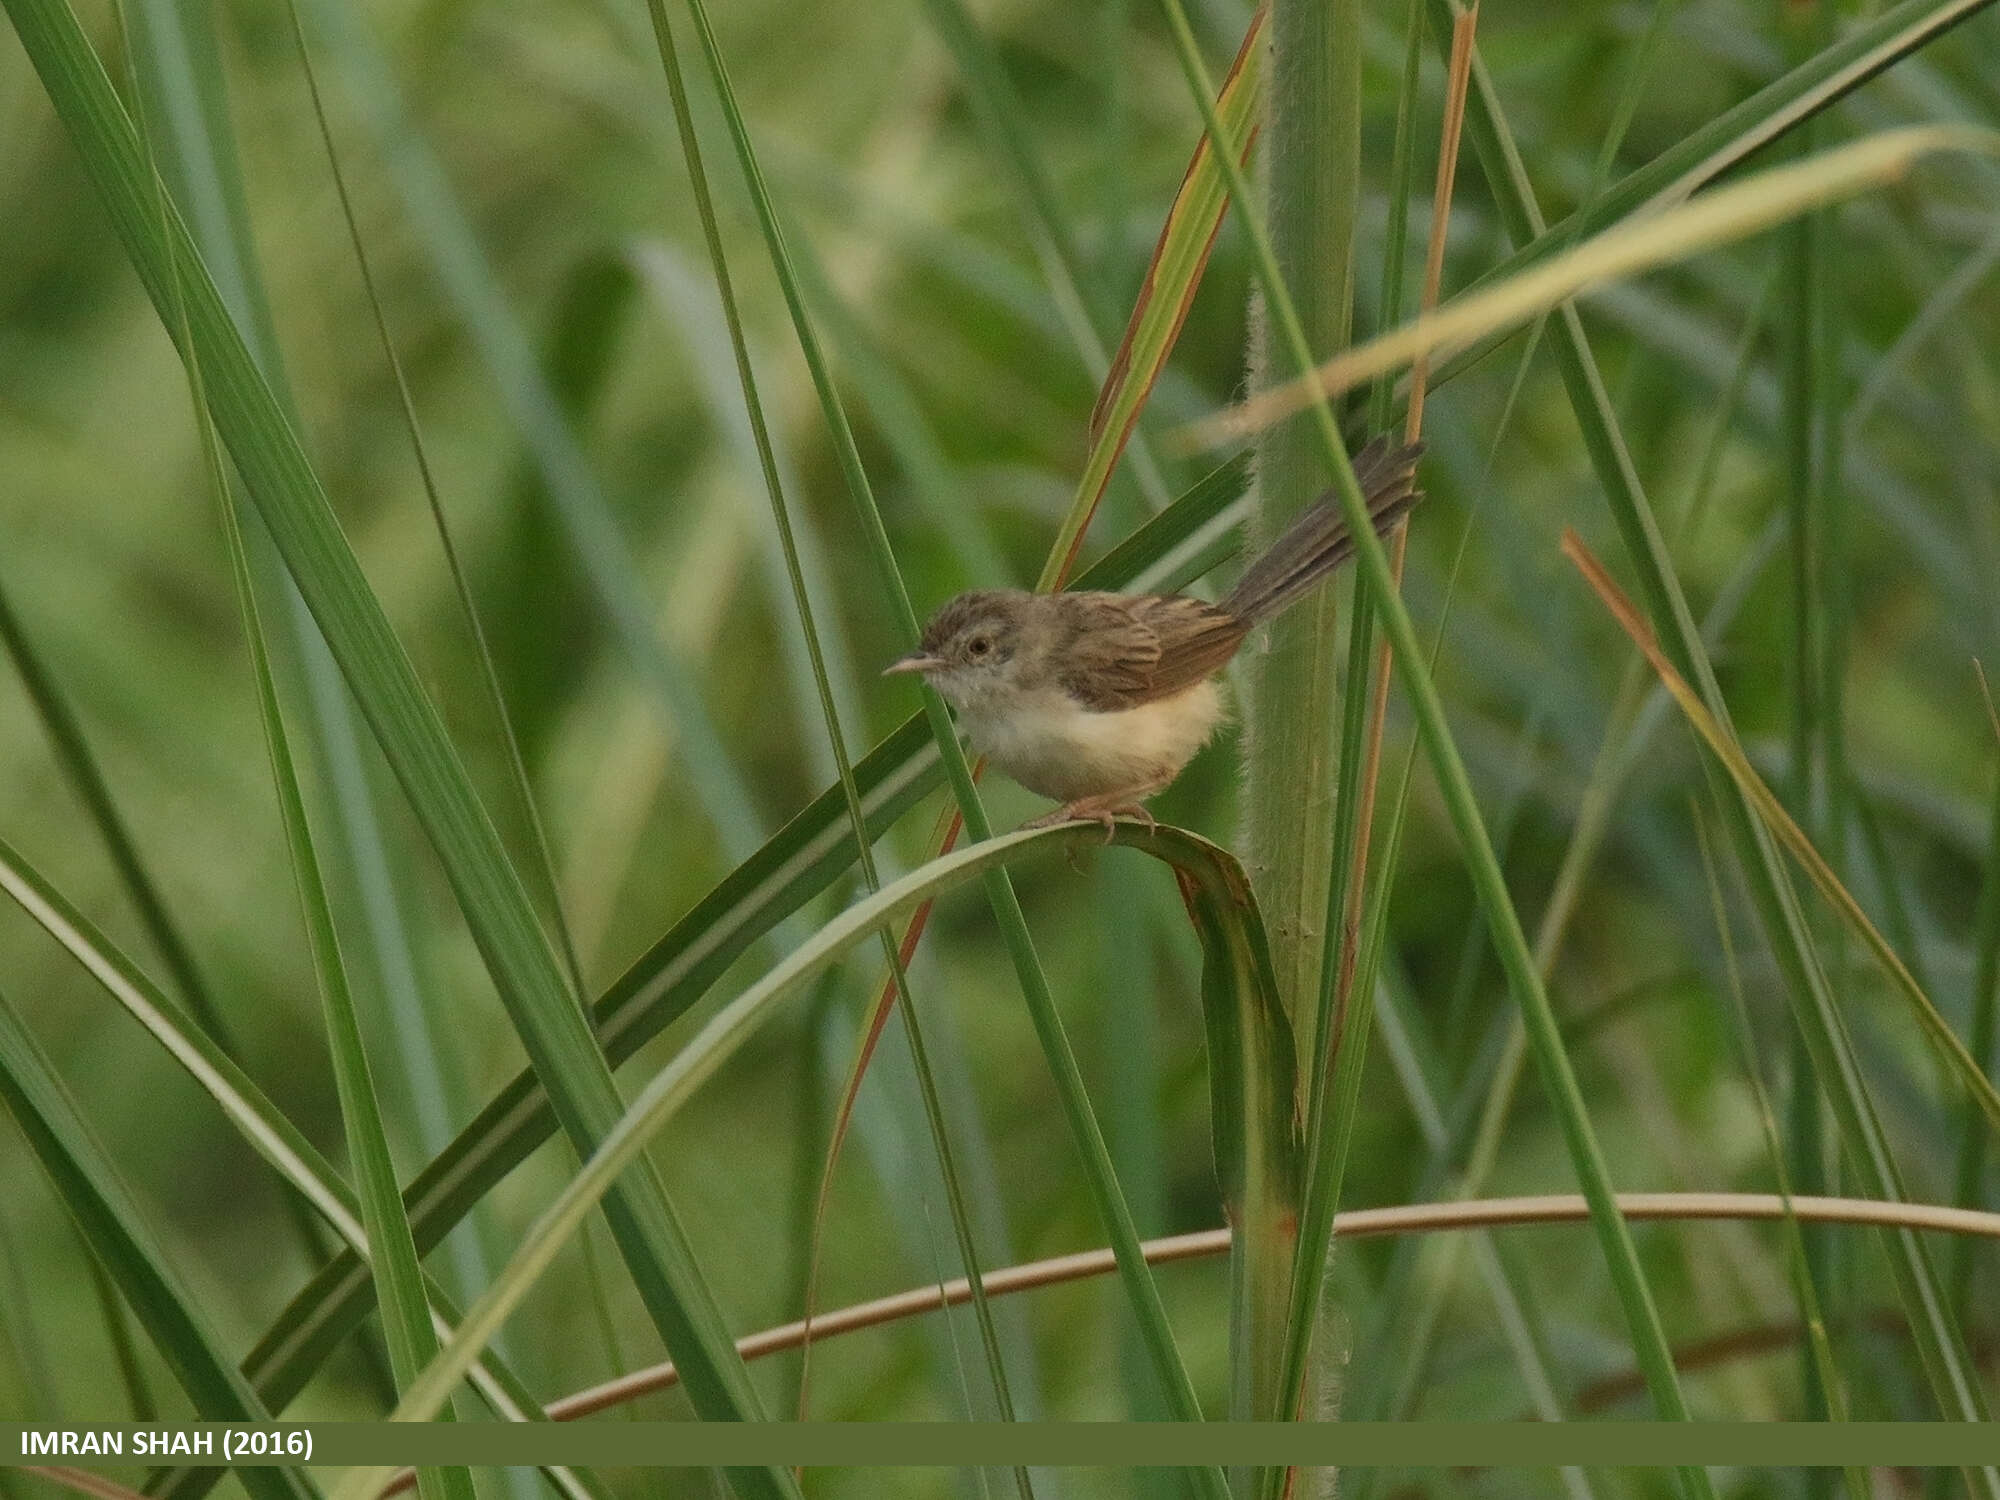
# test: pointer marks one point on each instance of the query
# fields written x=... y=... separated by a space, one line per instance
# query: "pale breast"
x=1054 y=746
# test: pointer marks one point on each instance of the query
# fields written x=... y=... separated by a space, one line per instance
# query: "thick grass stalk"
x=1312 y=165
x=1345 y=1015
x=1291 y=688
x=1627 y=1277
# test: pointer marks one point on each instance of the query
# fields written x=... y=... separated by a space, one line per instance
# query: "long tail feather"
x=1319 y=541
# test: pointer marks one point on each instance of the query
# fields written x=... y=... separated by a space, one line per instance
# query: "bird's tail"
x=1319 y=541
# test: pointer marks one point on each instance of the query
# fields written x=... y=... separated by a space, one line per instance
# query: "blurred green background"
x=535 y=248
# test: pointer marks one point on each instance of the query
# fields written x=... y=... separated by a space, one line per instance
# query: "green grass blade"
x=1211 y=871
x=581 y=508
x=1737 y=134
x=72 y=749
x=541 y=865
x=1642 y=1318
x=1938 y=1341
x=109 y=1220
x=118 y=1333
x=406 y=1317
x=801 y=860
x=406 y=1314
x=1422 y=1077
x=1109 y=1201
x=1816 y=588
x=1969 y=1176
x=1467 y=1161
x=1005 y=120
x=491 y=895
x=171 y=87
x=857 y=816
x=1787 y=833
x=249 y=1112
x=1819 y=1350
x=1701 y=156
x=177 y=66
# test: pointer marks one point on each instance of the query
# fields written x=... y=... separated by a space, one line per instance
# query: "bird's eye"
x=979 y=645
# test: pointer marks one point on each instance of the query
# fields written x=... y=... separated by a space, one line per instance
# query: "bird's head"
x=971 y=649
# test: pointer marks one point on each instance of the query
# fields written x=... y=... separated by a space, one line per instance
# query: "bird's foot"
x=1097 y=809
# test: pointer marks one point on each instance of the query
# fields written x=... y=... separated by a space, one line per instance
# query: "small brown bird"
x=1097 y=699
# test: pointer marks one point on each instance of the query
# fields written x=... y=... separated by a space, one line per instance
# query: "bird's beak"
x=916 y=661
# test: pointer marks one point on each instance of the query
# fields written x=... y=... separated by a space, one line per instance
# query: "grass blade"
x=1172 y=277
x=799 y=862
x=109 y=1221
x=1089 y=1139
x=281 y=482
x=1524 y=982
x=1958 y=1061
x=1738 y=133
x=541 y=866
x=1938 y=1340
x=1195 y=862
x=1819 y=1350
x=72 y=749
x=250 y=1113
x=857 y=816
x=1715 y=218
x=406 y=1314
x=568 y=486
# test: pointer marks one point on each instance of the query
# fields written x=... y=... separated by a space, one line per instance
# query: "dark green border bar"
x=1060 y=1444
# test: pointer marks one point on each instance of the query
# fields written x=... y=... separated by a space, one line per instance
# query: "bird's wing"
x=1122 y=650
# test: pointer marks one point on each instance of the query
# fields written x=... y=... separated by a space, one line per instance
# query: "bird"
x=1098 y=700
